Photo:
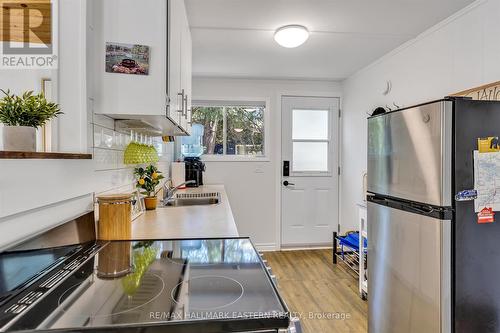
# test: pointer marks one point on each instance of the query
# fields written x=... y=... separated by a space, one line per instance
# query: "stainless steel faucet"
x=169 y=191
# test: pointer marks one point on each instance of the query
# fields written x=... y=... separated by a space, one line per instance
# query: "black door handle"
x=286 y=183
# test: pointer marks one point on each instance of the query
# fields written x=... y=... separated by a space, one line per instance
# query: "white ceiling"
x=234 y=38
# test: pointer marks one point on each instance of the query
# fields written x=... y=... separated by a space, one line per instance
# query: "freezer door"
x=409 y=154
x=408 y=272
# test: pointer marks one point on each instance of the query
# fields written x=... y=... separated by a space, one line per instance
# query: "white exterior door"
x=309 y=190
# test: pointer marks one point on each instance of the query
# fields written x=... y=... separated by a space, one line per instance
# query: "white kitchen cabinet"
x=181 y=76
x=152 y=101
x=175 y=13
x=187 y=69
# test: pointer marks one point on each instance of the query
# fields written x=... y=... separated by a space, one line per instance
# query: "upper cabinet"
x=139 y=64
x=180 y=65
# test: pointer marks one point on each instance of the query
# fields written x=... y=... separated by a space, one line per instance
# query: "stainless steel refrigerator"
x=431 y=267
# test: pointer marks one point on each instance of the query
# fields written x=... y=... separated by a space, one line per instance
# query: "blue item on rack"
x=352 y=240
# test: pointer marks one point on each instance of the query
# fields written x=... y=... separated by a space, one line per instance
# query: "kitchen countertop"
x=188 y=222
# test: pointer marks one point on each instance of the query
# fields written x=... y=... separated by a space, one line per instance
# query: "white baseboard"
x=271 y=247
x=306 y=247
x=266 y=247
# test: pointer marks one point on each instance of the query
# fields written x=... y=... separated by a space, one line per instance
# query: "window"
x=311 y=140
x=230 y=128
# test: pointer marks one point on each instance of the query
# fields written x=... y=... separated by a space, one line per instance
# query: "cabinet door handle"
x=167 y=106
x=190 y=117
x=181 y=104
x=185 y=107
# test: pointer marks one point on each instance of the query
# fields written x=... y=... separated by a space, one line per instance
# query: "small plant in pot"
x=21 y=116
x=148 y=179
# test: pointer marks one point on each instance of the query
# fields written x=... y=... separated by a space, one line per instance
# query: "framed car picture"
x=127 y=58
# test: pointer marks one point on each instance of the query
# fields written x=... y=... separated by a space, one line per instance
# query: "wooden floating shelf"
x=43 y=155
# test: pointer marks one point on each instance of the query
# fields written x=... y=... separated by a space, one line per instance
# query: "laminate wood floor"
x=323 y=294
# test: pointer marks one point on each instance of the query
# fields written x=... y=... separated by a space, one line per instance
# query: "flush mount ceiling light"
x=291 y=35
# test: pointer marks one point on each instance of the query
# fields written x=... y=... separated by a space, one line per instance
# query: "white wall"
x=459 y=53
x=19 y=81
x=253 y=186
x=71 y=131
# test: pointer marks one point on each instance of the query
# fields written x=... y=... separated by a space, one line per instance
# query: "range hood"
x=150 y=125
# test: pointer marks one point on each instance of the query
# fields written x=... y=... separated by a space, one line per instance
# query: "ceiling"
x=234 y=38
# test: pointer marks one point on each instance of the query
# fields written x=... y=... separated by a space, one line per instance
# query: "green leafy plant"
x=148 y=179
x=26 y=110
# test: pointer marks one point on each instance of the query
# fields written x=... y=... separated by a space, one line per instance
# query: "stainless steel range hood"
x=150 y=125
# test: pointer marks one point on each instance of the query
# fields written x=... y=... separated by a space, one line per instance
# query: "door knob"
x=286 y=183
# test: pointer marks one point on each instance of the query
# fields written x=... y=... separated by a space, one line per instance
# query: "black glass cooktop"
x=152 y=286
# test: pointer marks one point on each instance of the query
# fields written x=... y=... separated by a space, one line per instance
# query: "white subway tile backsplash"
x=119 y=160
x=107 y=137
x=97 y=136
x=109 y=147
x=119 y=141
x=104 y=159
x=103 y=121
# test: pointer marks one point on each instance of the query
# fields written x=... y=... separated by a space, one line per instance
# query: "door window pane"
x=310 y=125
x=310 y=156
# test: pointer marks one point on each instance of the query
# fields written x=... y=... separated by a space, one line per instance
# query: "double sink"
x=193 y=199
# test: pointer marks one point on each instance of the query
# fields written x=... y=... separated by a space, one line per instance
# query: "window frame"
x=225 y=102
x=328 y=141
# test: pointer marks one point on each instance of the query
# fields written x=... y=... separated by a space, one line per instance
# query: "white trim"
x=266 y=247
x=329 y=141
x=84 y=135
x=419 y=37
x=231 y=99
x=242 y=76
x=228 y=103
x=267 y=131
x=302 y=248
x=235 y=158
x=278 y=156
x=224 y=132
x=339 y=159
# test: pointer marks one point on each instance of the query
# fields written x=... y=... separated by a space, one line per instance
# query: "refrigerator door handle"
x=412 y=207
x=378 y=200
x=424 y=209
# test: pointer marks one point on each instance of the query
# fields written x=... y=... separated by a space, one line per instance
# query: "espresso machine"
x=194 y=171
x=192 y=149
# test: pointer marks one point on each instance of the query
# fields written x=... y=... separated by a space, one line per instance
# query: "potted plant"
x=21 y=116
x=147 y=180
